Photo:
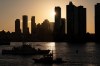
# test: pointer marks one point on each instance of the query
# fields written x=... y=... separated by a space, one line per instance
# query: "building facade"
x=17 y=26
x=76 y=20
x=97 y=21
x=57 y=24
x=33 y=25
x=25 y=24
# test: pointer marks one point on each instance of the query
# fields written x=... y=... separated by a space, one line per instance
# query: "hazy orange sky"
x=41 y=9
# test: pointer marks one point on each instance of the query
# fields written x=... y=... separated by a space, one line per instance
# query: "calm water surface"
x=88 y=54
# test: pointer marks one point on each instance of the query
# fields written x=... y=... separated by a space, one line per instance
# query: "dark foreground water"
x=88 y=55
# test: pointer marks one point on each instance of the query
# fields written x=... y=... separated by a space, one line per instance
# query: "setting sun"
x=52 y=14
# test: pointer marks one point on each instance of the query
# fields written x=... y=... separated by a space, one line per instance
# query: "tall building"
x=82 y=20
x=76 y=20
x=62 y=25
x=25 y=24
x=71 y=18
x=46 y=25
x=97 y=21
x=17 y=26
x=33 y=25
x=57 y=24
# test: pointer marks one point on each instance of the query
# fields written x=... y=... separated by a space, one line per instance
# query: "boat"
x=48 y=59
x=25 y=49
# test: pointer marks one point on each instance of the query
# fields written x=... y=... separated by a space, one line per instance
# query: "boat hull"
x=12 y=52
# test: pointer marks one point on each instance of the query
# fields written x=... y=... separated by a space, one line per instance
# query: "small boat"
x=48 y=59
x=25 y=50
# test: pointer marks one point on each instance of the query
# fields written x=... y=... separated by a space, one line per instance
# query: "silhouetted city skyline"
x=50 y=33
x=76 y=27
x=10 y=10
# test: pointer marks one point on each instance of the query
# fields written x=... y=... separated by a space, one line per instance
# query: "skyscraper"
x=82 y=21
x=62 y=25
x=17 y=26
x=25 y=24
x=76 y=20
x=57 y=24
x=33 y=25
x=71 y=16
x=97 y=21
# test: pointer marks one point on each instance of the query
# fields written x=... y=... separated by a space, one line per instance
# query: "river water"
x=88 y=54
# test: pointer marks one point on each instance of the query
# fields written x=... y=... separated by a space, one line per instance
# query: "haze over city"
x=10 y=10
